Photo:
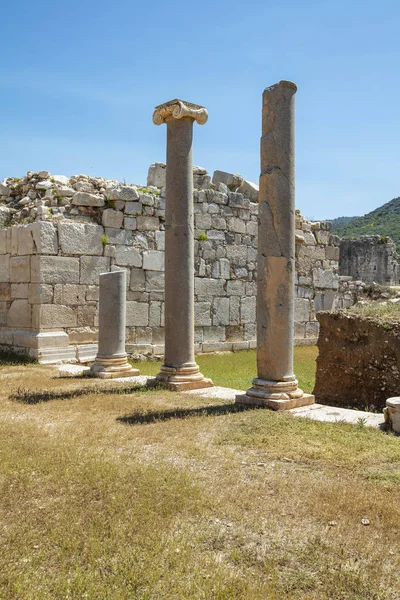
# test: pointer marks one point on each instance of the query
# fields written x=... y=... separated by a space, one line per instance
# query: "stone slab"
x=184 y=386
x=333 y=414
x=217 y=392
x=42 y=340
x=51 y=356
x=86 y=352
x=316 y=412
x=276 y=404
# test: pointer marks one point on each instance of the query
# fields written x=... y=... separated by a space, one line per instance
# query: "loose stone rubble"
x=63 y=232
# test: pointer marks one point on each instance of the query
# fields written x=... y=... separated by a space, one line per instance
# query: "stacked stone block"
x=49 y=268
x=371 y=258
x=225 y=270
x=317 y=279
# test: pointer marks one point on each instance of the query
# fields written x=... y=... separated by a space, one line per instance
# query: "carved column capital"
x=178 y=109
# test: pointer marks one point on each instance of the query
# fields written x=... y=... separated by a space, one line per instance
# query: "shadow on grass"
x=140 y=418
x=9 y=358
x=26 y=396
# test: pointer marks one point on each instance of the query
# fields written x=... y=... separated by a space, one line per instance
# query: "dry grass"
x=145 y=496
x=382 y=311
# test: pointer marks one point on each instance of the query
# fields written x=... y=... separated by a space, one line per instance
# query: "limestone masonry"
x=370 y=258
x=60 y=233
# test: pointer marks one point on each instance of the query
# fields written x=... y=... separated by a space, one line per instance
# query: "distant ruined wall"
x=370 y=258
x=62 y=233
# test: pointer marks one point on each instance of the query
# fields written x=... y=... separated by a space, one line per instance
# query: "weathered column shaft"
x=179 y=371
x=276 y=245
x=112 y=314
x=179 y=245
x=111 y=360
x=275 y=385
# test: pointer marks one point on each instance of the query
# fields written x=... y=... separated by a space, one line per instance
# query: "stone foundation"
x=359 y=361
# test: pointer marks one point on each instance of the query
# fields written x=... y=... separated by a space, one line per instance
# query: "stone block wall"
x=49 y=268
x=370 y=258
x=318 y=283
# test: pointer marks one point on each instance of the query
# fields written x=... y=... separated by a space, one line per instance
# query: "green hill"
x=384 y=221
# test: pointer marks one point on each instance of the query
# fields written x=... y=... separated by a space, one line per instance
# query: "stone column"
x=179 y=371
x=111 y=360
x=392 y=413
x=275 y=385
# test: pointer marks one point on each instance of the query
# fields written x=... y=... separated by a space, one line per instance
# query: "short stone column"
x=179 y=371
x=111 y=360
x=392 y=413
x=276 y=386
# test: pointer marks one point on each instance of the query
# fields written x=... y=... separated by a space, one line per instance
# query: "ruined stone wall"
x=370 y=258
x=359 y=361
x=49 y=268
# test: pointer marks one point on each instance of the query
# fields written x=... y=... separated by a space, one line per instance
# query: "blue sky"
x=79 y=81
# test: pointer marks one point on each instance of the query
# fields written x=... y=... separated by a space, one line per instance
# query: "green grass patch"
x=237 y=369
x=340 y=443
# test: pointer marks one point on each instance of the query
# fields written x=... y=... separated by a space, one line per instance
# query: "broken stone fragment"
x=122 y=192
x=85 y=199
x=201 y=178
x=4 y=190
x=221 y=187
x=63 y=191
x=199 y=170
x=249 y=190
x=157 y=175
x=5 y=216
x=61 y=179
x=43 y=185
x=83 y=186
x=232 y=181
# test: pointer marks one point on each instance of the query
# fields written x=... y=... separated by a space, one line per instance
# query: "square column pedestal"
x=277 y=395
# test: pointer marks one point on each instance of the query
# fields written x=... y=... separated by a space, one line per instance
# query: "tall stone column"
x=111 y=360
x=179 y=371
x=276 y=386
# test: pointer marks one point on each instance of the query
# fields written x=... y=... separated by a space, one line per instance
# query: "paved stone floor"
x=318 y=412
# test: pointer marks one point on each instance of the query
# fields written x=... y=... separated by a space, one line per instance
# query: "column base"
x=277 y=395
x=391 y=413
x=185 y=377
x=112 y=368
